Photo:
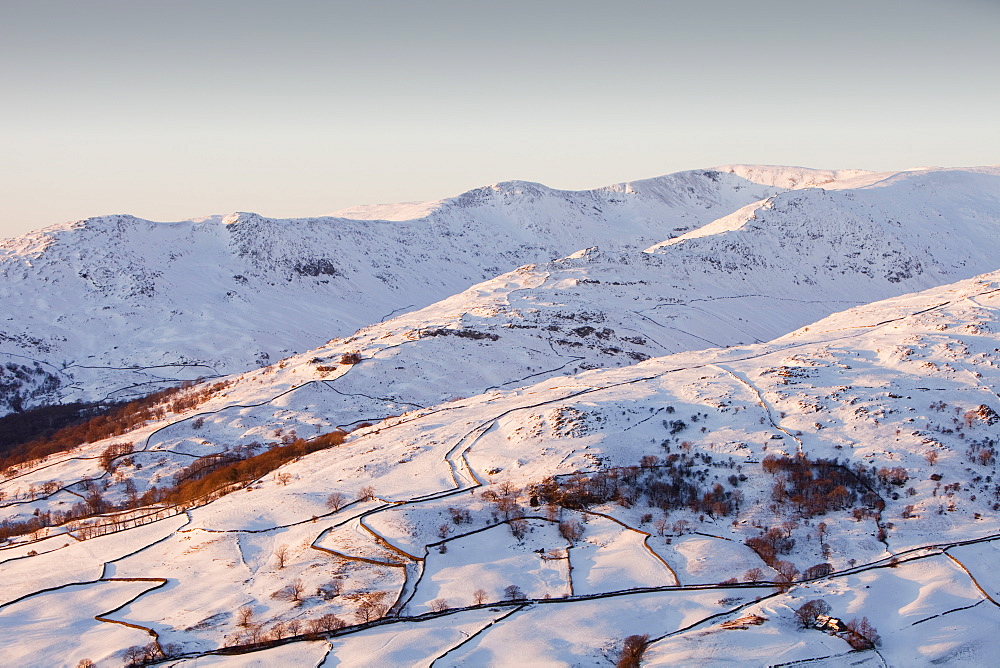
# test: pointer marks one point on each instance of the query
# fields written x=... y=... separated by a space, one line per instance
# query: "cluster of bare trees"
x=206 y=477
x=369 y=605
x=113 y=452
x=776 y=541
x=982 y=451
x=142 y=655
x=816 y=487
x=862 y=635
x=252 y=632
x=807 y=613
x=677 y=481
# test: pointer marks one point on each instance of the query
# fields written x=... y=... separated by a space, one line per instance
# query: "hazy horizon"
x=188 y=109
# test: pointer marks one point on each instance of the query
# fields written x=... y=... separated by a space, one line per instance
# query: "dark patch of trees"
x=674 y=426
x=808 y=612
x=204 y=476
x=461 y=333
x=232 y=468
x=20 y=382
x=673 y=483
x=770 y=544
x=816 y=487
x=40 y=423
x=113 y=421
x=862 y=635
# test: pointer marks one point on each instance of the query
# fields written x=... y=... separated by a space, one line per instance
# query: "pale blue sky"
x=169 y=110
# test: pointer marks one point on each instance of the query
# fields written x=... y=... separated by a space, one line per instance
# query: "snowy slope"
x=879 y=386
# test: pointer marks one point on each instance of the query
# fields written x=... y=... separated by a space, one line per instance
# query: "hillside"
x=676 y=462
x=659 y=444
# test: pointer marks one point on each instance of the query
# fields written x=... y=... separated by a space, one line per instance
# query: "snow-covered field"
x=561 y=457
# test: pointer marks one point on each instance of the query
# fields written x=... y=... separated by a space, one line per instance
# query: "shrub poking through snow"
x=632 y=650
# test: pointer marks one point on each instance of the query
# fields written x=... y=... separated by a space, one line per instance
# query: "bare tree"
x=140 y=655
x=133 y=656
x=370 y=605
x=95 y=502
x=519 y=528
x=571 y=530
x=786 y=569
x=256 y=633
x=460 y=515
x=281 y=555
x=171 y=649
x=335 y=501
x=329 y=591
x=278 y=631
x=366 y=493
x=244 y=616
x=479 y=596
x=817 y=571
x=438 y=605
x=507 y=488
x=291 y=591
x=325 y=624
x=507 y=506
x=513 y=593
x=821 y=531
x=753 y=575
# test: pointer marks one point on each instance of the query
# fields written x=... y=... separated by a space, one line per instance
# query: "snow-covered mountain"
x=88 y=300
x=116 y=306
x=780 y=387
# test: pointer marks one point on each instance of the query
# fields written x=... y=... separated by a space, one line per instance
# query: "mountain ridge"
x=216 y=293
